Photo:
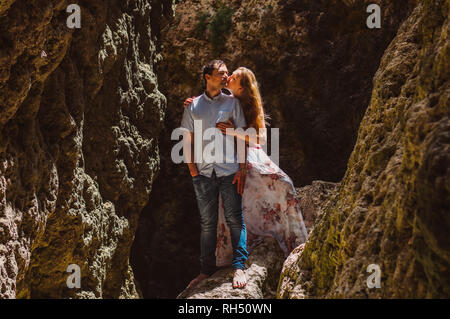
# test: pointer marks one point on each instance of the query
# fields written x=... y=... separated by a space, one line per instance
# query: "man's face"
x=218 y=78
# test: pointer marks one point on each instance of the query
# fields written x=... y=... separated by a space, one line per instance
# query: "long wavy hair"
x=250 y=99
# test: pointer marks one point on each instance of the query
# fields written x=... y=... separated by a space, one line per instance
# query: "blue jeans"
x=207 y=193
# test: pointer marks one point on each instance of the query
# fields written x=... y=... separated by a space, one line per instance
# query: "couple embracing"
x=244 y=199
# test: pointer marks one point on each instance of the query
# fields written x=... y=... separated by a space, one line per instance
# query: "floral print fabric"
x=270 y=209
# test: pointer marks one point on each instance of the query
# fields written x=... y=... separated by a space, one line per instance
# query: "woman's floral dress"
x=270 y=209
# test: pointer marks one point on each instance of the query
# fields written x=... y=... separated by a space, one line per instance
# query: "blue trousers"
x=207 y=191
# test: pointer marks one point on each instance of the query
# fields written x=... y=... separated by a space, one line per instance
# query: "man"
x=211 y=178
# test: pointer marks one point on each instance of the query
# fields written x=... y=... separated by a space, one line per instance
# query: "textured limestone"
x=79 y=120
x=287 y=287
x=312 y=199
x=392 y=206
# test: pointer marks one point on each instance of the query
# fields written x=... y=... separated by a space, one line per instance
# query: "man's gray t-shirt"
x=209 y=112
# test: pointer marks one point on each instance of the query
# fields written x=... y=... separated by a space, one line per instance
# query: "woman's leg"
x=233 y=212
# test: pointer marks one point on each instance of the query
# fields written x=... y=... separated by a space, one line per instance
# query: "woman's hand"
x=188 y=101
x=239 y=178
x=222 y=126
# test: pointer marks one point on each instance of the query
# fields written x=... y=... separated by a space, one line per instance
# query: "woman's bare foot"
x=239 y=279
x=197 y=280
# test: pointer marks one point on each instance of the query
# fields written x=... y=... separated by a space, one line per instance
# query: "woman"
x=269 y=199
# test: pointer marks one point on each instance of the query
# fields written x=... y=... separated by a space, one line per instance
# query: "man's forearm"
x=189 y=154
x=193 y=169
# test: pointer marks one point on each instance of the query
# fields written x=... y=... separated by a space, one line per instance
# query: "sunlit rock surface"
x=80 y=116
x=392 y=206
x=262 y=270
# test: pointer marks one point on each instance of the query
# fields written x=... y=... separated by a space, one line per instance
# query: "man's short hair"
x=209 y=68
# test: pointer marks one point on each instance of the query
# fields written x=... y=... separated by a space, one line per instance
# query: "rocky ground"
x=262 y=270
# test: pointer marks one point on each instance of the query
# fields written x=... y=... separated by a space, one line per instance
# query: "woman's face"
x=234 y=84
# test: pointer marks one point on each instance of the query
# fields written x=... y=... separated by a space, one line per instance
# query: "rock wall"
x=315 y=62
x=80 y=117
x=312 y=199
x=391 y=208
